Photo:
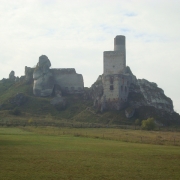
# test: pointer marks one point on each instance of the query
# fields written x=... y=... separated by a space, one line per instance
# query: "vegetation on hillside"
x=17 y=99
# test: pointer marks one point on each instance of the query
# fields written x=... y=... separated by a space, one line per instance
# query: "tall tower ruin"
x=115 y=61
x=116 y=81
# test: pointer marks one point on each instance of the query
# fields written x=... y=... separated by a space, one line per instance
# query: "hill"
x=19 y=104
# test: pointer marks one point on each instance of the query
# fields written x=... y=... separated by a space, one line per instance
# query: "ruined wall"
x=119 y=88
x=116 y=87
x=111 y=87
x=29 y=74
x=55 y=81
x=68 y=80
x=116 y=80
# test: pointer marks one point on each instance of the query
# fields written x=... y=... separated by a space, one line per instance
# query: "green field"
x=87 y=154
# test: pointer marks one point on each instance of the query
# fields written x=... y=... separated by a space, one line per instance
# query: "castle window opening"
x=111 y=87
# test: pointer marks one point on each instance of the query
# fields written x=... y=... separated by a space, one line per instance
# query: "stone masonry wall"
x=114 y=62
x=68 y=80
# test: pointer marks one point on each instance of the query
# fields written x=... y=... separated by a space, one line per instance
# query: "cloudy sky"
x=74 y=34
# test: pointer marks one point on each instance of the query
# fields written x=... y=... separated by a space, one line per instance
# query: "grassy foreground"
x=45 y=153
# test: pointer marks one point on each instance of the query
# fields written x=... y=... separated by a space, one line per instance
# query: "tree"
x=148 y=124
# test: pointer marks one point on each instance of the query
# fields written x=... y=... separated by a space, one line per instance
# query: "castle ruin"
x=58 y=81
x=116 y=77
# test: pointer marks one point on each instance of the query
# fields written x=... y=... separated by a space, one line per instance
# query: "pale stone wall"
x=114 y=62
x=120 y=44
x=116 y=87
x=125 y=81
x=55 y=81
x=115 y=82
x=69 y=80
x=111 y=88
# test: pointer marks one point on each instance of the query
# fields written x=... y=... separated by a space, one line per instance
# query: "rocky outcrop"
x=129 y=112
x=145 y=93
x=43 y=78
x=59 y=102
x=97 y=91
x=142 y=93
x=12 y=76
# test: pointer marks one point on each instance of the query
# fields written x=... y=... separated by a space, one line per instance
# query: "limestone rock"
x=59 y=102
x=129 y=112
x=43 y=78
x=3 y=80
x=154 y=96
x=12 y=76
x=142 y=93
x=146 y=93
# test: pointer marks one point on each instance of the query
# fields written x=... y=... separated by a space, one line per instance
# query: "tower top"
x=119 y=43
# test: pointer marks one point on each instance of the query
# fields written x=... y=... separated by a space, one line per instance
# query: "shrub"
x=148 y=124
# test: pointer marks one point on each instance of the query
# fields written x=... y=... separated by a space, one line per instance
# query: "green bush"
x=148 y=124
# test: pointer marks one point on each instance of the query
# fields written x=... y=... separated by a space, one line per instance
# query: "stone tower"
x=116 y=80
x=115 y=61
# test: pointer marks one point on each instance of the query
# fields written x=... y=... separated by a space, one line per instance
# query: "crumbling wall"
x=68 y=80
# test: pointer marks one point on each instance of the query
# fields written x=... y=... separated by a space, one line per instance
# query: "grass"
x=124 y=135
x=48 y=153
